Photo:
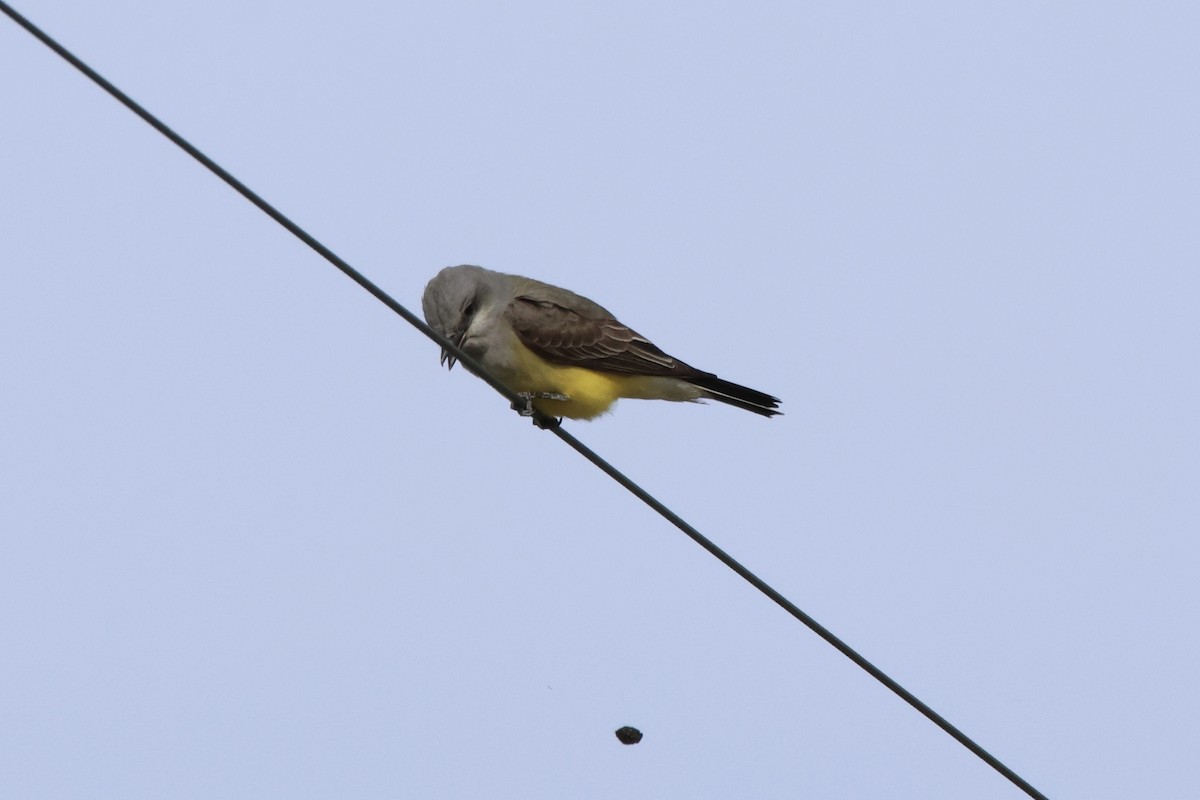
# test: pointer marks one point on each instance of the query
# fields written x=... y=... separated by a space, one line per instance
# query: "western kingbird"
x=565 y=354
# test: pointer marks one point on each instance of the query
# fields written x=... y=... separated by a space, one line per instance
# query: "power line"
x=541 y=420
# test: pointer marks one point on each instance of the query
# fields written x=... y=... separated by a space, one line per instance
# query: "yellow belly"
x=589 y=393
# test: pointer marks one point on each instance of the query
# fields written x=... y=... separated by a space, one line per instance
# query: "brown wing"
x=564 y=336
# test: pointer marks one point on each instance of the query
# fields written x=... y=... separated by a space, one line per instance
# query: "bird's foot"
x=525 y=408
x=546 y=422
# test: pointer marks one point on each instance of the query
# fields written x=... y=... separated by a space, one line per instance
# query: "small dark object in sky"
x=628 y=735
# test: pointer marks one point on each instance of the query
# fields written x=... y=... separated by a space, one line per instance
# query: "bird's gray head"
x=453 y=299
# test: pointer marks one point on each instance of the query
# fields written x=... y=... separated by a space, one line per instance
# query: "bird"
x=563 y=354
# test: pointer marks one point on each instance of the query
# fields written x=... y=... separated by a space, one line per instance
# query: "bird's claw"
x=546 y=422
x=525 y=408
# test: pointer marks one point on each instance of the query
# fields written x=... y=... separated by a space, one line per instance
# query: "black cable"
x=540 y=420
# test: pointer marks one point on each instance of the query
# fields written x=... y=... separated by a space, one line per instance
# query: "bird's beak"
x=448 y=358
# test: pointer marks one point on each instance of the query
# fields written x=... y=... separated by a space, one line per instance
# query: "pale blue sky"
x=256 y=544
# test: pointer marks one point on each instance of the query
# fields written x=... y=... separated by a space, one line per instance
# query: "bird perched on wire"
x=565 y=355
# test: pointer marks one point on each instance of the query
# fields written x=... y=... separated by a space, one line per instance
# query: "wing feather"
x=565 y=336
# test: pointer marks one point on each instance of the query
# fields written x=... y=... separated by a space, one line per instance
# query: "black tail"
x=736 y=395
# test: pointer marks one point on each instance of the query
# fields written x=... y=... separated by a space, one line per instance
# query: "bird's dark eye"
x=469 y=309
